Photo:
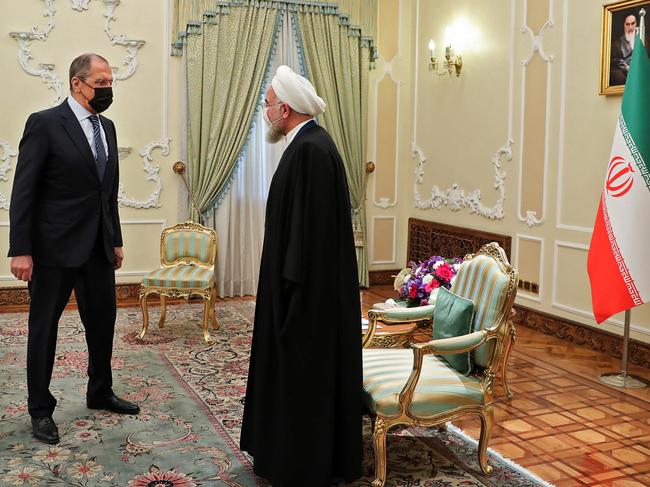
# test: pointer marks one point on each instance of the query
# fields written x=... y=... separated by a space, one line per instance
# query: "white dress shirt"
x=294 y=131
x=86 y=125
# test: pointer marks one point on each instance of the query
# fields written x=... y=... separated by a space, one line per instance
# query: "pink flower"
x=431 y=286
x=445 y=272
x=413 y=289
x=155 y=478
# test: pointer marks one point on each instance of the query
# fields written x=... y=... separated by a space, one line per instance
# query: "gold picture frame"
x=615 y=50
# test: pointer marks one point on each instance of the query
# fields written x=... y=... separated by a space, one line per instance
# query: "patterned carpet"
x=192 y=401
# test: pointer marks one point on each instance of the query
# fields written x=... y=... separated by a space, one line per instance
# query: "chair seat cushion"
x=440 y=388
x=180 y=276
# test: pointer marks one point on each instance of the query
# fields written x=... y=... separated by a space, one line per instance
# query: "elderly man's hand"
x=22 y=266
x=119 y=257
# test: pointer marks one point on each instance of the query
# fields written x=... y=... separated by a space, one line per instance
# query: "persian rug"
x=191 y=397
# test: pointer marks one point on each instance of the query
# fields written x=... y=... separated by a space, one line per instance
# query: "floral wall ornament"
x=46 y=70
x=132 y=45
x=153 y=174
x=8 y=153
x=454 y=197
x=80 y=5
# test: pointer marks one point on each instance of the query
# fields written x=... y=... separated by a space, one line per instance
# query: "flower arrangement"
x=419 y=283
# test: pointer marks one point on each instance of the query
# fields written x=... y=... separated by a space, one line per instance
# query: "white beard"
x=629 y=37
x=273 y=135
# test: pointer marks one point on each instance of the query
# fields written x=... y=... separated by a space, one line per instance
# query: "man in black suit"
x=65 y=234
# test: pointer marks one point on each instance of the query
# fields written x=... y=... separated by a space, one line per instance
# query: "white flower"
x=433 y=295
x=456 y=267
x=391 y=302
x=427 y=279
x=437 y=264
x=417 y=271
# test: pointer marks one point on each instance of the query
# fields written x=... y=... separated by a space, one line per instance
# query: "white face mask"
x=265 y=115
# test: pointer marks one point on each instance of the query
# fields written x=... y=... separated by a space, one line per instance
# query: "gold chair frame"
x=208 y=294
x=502 y=331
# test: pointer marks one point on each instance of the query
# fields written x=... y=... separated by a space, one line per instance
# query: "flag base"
x=625 y=381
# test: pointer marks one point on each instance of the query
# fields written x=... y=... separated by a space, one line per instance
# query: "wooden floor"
x=563 y=424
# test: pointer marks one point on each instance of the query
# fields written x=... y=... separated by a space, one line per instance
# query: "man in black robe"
x=303 y=410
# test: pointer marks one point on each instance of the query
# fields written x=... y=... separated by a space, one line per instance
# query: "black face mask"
x=102 y=99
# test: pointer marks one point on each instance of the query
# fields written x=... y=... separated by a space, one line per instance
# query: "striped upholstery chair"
x=417 y=387
x=187 y=256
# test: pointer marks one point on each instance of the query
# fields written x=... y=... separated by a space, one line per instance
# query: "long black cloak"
x=302 y=416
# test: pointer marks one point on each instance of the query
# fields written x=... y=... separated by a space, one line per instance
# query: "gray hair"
x=81 y=66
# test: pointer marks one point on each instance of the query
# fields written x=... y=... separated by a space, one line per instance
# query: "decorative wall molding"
x=153 y=174
x=80 y=5
x=562 y=131
x=46 y=70
x=385 y=202
x=531 y=218
x=5 y=166
x=455 y=197
x=132 y=45
x=536 y=42
x=524 y=294
x=394 y=239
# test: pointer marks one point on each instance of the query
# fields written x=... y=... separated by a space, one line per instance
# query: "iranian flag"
x=619 y=254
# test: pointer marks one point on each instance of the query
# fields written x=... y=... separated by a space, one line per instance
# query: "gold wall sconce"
x=453 y=62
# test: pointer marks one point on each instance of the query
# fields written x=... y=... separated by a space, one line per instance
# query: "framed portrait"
x=621 y=21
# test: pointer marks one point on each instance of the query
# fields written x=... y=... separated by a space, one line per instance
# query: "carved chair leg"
x=487 y=420
x=163 y=311
x=145 y=314
x=213 y=312
x=509 y=342
x=379 y=446
x=206 y=320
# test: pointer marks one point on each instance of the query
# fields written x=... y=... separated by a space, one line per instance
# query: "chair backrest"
x=188 y=243
x=488 y=279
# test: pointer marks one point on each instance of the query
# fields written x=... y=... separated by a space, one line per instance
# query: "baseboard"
x=16 y=299
x=583 y=335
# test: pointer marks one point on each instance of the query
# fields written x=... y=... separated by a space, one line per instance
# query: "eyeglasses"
x=99 y=83
x=267 y=106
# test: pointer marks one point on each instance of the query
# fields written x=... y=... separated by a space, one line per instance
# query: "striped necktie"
x=100 y=150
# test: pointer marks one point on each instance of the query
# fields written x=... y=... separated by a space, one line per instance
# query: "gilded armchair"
x=187 y=256
x=417 y=387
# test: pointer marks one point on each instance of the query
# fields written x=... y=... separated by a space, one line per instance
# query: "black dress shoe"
x=45 y=430
x=114 y=404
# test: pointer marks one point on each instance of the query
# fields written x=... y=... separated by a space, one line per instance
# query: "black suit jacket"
x=58 y=203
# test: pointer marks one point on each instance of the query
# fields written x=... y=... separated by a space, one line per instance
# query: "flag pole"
x=624 y=379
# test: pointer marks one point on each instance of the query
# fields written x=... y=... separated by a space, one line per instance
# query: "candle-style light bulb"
x=432 y=46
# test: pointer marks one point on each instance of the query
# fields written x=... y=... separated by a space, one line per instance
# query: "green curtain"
x=226 y=59
x=338 y=61
x=362 y=13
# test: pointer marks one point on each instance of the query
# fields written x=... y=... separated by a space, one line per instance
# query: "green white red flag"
x=619 y=254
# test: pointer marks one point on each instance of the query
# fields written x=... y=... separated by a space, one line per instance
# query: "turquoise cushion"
x=453 y=317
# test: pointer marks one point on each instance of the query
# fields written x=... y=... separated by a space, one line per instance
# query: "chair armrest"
x=450 y=346
x=400 y=314
x=394 y=316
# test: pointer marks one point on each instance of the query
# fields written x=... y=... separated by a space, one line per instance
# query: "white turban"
x=297 y=92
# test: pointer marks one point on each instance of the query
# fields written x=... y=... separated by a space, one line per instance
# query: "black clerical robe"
x=302 y=416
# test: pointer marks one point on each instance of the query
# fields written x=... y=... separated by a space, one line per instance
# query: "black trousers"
x=49 y=290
